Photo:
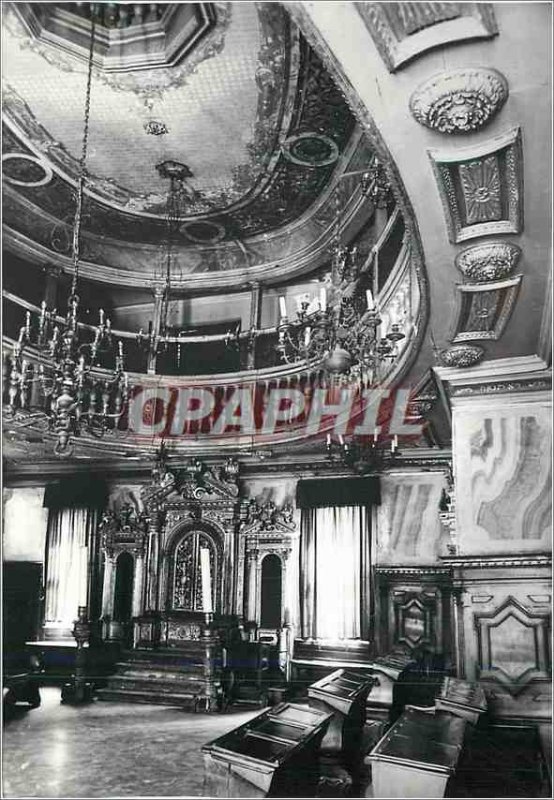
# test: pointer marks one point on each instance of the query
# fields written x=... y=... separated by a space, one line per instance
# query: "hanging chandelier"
x=75 y=396
x=340 y=328
x=364 y=455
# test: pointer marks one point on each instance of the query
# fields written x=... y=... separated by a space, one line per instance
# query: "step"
x=180 y=665
x=151 y=673
x=183 y=700
x=161 y=669
x=130 y=684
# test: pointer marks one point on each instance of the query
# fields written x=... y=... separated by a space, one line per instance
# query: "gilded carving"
x=484 y=309
x=490 y=261
x=123 y=530
x=402 y=31
x=260 y=517
x=462 y=355
x=481 y=187
x=459 y=101
x=480 y=181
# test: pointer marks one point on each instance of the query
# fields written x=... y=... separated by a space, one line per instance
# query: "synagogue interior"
x=276 y=399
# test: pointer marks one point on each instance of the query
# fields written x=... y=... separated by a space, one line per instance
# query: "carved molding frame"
x=507 y=195
x=490 y=669
x=506 y=295
x=478 y=22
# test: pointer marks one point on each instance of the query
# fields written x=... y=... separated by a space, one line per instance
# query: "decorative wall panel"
x=513 y=645
x=484 y=309
x=503 y=477
x=502 y=620
x=403 y=31
x=408 y=526
x=481 y=187
x=413 y=609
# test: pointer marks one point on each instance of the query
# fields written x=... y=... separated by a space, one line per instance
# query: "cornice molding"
x=415 y=570
x=497 y=561
x=499 y=369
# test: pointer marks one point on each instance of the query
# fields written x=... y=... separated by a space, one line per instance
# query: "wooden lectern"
x=387 y=669
x=462 y=698
x=273 y=755
x=417 y=755
x=342 y=693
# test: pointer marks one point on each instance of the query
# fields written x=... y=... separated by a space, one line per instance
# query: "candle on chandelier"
x=323 y=298
x=101 y=315
x=375 y=434
x=282 y=307
x=206 y=580
x=369 y=298
x=307 y=334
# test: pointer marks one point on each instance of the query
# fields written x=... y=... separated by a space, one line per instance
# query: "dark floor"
x=108 y=749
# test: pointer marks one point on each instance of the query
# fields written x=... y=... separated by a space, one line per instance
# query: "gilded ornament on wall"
x=460 y=101
x=491 y=261
x=462 y=355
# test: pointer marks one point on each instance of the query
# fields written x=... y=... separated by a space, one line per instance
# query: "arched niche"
x=123 y=589
x=184 y=572
x=271 y=592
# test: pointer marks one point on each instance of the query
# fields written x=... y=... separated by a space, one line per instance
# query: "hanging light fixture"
x=339 y=329
x=75 y=397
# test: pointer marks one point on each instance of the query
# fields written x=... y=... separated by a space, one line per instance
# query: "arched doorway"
x=185 y=589
x=123 y=592
x=271 y=594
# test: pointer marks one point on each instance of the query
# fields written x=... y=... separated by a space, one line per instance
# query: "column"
x=108 y=585
x=51 y=282
x=138 y=585
x=159 y=293
x=252 y=586
x=153 y=555
x=255 y=314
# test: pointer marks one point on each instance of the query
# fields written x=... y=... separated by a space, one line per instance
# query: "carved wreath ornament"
x=460 y=101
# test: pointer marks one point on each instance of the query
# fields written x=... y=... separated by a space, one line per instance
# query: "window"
x=187 y=574
x=335 y=573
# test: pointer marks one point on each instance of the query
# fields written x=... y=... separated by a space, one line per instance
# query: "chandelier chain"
x=82 y=164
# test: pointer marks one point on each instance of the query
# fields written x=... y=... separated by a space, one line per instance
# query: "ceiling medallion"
x=462 y=355
x=203 y=232
x=491 y=261
x=310 y=150
x=32 y=172
x=460 y=101
x=155 y=128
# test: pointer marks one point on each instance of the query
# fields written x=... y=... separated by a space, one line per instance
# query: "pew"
x=388 y=669
x=275 y=754
x=343 y=693
x=418 y=754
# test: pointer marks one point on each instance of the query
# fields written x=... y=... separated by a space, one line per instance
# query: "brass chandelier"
x=74 y=397
x=340 y=328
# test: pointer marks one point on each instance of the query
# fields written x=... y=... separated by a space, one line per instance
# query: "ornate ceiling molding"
x=489 y=261
x=459 y=101
x=121 y=34
x=484 y=309
x=481 y=187
x=403 y=31
x=297 y=99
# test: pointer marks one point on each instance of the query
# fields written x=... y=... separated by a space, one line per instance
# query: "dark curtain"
x=323 y=493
